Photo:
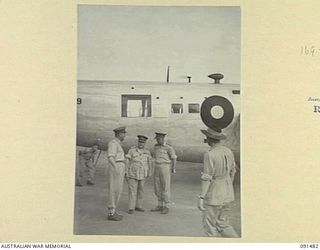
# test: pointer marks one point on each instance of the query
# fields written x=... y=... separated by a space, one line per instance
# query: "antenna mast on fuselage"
x=168 y=74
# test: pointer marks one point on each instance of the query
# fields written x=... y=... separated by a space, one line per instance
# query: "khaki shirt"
x=140 y=163
x=115 y=149
x=219 y=166
x=88 y=154
x=163 y=153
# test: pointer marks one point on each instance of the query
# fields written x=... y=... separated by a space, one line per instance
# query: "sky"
x=138 y=43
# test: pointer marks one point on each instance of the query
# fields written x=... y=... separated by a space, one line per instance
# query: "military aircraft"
x=180 y=109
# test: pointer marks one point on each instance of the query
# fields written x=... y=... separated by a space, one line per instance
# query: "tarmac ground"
x=183 y=219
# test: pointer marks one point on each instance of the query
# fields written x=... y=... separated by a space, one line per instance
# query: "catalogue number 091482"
x=313 y=245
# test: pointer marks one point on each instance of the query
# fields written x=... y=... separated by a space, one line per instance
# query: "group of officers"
x=217 y=177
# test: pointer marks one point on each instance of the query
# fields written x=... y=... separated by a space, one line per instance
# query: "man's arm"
x=128 y=158
x=112 y=152
x=174 y=163
x=232 y=173
x=84 y=151
x=206 y=178
x=173 y=157
x=112 y=161
x=233 y=167
x=95 y=157
x=150 y=165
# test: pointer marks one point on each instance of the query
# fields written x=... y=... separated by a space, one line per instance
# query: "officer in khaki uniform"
x=116 y=171
x=165 y=163
x=139 y=168
x=217 y=186
x=87 y=164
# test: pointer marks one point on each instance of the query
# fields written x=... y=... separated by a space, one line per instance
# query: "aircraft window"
x=194 y=108
x=176 y=108
x=136 y=105
x=236 y=92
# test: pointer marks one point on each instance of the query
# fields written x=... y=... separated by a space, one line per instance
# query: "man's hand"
x=112 y=162
x=200 y=205
x=173 y=170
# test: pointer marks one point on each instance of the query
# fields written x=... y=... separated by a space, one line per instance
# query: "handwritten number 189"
x=305 y=50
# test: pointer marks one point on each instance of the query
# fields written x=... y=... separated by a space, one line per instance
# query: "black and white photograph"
x=158 y=121
x=121 y=124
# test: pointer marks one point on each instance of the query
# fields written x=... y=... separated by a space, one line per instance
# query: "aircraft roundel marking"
x=206 y=115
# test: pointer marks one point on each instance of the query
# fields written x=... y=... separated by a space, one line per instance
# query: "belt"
x=120 y=161
x=219 y=178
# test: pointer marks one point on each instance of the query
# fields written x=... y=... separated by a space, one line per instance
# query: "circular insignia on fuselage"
x=217 y=112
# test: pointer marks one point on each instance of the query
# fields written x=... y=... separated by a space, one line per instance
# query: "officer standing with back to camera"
x=217 y=186
x=139 y=168
x=165 y=162
x=116 y=172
